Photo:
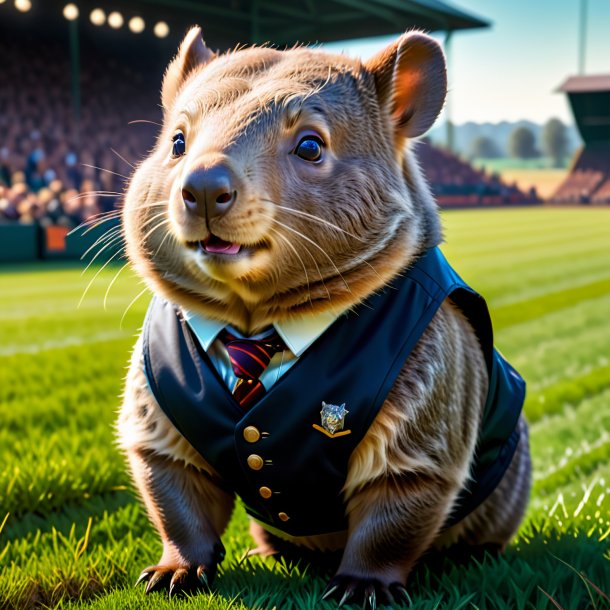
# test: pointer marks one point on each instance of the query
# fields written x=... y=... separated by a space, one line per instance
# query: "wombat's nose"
x=209 y=191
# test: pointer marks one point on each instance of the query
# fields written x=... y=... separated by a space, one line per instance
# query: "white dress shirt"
x=298 y=335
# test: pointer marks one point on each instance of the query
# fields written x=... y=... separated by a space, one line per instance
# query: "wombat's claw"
x=178 y=579
x=366 y=591
x=400 y=593
x=346 y=596
x=371 y=597
x=157 y=580
x=178 y=582
x=202 y=575
x=143 y=577
x=327 y=592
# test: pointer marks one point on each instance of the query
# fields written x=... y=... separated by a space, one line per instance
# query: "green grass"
x=75 y=536
x=503 y=163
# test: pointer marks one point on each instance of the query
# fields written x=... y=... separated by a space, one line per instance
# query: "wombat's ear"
x=192 y=53
x=411 y=80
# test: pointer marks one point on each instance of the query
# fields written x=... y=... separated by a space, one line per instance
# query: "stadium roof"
x=286 y=21
x=586 y=84
x=280 y=22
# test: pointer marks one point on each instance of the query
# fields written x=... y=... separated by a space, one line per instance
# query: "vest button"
x=283 y=516
x=265 y=492
x=251 y=434
x=255 y=461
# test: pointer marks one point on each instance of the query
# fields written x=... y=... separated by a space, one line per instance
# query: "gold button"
x=265 y=492
x=283 y=516
x=255 y=461
x=251 y=434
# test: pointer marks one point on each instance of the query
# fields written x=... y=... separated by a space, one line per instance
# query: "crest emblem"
x=332 y=420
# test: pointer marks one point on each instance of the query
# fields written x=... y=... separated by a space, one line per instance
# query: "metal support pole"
x=75 y=71
x=448 y=122
x=255 y=26
x=582 y=43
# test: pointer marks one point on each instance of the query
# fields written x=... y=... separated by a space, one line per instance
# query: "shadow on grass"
x=63 y=519
x=568 y=572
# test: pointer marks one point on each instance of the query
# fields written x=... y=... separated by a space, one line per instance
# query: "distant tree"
x=555 y=141
x=484 y=147
x=522 y=144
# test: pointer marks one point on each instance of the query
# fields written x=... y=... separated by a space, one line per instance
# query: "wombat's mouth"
x=216 y=246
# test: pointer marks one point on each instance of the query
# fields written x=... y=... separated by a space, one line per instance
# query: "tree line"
x=522 y=144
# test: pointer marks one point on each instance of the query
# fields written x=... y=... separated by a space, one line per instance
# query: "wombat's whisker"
x=316 y=218
x=167 y=234
x=157 y=226
x=153 y=204
x=96 y=194
x=100 y=222
x=103 y=169
x=97 y=220
x=131 y=305
x=319 y=273
x=330 y=224
x=102 y=238
x=95 y=276
x=144 y=121
x=289 y=228
x=289 y=244
x=122 y=158
x=116 y=239
x=153 y=218
x=114 y=279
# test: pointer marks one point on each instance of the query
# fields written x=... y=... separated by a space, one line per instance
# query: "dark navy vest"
x=289 y=473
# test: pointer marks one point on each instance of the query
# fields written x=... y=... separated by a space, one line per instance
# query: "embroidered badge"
x=333 y=420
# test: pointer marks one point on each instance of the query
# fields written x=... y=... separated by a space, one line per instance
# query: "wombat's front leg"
x=391 y=524
x=190 y=514
x=182 y=494
x=406 y=474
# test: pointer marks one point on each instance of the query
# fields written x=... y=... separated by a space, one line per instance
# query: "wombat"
x=308 y=348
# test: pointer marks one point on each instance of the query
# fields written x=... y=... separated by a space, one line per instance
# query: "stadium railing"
x=31 y=242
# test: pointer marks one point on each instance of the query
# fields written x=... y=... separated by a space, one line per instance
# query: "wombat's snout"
x=209 y=192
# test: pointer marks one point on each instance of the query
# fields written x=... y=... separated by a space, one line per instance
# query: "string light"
x=161 y=29
x=136 y=25
x=97 y=16
x=23 y=5
x=71 y=12
x=115 y=20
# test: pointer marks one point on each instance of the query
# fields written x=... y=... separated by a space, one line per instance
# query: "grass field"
x=73 y=535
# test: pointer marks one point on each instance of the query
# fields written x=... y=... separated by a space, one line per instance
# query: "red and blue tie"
x=249 y=358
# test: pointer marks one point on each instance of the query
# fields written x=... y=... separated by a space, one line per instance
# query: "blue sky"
x=510 y=71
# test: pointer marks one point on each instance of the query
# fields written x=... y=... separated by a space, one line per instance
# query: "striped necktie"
x=249 y=358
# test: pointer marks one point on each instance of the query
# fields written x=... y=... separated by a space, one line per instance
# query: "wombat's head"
x=282 y=182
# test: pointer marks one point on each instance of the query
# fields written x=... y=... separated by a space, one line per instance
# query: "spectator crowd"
x=456 y=182
x=55 y=169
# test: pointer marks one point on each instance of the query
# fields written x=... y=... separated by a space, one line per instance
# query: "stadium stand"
x=588 y=181
x=55 y=170
x=456 y=183
x=602 y=194
x=582 y=182
x=589 y=178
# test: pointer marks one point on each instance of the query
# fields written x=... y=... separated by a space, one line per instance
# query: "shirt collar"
x=298 y=333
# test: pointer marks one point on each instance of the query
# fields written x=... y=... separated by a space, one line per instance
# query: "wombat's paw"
x=178 y=579
x=368 y=592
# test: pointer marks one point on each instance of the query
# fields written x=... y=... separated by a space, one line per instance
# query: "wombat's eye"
x=309 y=148
x=179 y=145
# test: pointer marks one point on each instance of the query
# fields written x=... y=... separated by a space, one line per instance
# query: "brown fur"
x=322 y=237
